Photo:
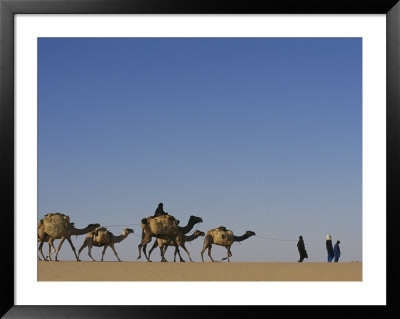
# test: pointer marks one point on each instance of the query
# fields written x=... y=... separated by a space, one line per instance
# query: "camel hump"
x=223 y=228
x=101 y=235
x=163 y=225
x=56 y=224
x=223 y=237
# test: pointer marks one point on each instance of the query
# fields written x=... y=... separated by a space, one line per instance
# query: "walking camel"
x=58 y=226
x=163 y=227
x=222 y=237
x=181 y=239
x=102 y=237
x=43 y=237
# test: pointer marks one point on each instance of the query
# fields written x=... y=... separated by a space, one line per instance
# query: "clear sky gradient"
x=261 y=134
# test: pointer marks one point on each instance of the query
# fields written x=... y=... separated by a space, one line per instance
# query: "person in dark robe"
x=302 y=249
x=160 y=210
x=329 y=247
x=336 y=251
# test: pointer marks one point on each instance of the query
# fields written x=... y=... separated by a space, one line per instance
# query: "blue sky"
x=261 y=134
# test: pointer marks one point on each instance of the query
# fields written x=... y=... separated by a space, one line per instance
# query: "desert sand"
x=198 y=271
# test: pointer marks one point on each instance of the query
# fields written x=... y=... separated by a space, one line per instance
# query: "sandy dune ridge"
x=197 y=271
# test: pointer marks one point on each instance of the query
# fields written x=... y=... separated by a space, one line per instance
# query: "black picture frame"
x=8 y=8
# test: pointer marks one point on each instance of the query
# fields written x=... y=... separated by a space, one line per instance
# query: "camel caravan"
x=162 y=226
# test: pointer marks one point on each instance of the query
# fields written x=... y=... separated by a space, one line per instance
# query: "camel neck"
x=191 y=237
x=75 y=231
x=187 y=228
x=119 y=238
x=240 y=238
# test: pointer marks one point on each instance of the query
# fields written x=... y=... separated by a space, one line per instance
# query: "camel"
x=42 y=236
x=101 y=237
x=181 y=239
x=164 y=227
x=222 y=237
x=73 y=231
x=58 y=226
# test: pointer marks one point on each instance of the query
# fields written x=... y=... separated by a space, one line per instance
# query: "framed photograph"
x=271 y=125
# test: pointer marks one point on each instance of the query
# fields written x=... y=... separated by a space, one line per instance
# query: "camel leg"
x=152 y=248
x=140 y=251
x=179 y=254
x=180 y=257
x=184 y=248
x=207 y=244
x=87 y=242
x=82 y=247
x=146 y=239
x=40 y=250
x=144 y=251
x=161 y=253
x=201 y=254
x=115 y=252
x=165 y=249
x=90 y=251
x=209 y=253
x=38 y=258
x=228 y=254
x=73 y=248
x=59 y=247
x=49 y=250
x=51 y=244
x=104 y=251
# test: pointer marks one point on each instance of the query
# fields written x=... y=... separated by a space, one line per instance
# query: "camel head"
x=250 y=233
x=127 y=231
x=195 y=219
x=198 y=233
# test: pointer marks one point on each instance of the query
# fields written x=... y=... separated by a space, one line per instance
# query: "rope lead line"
x=120 y=225
x=276 y=238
